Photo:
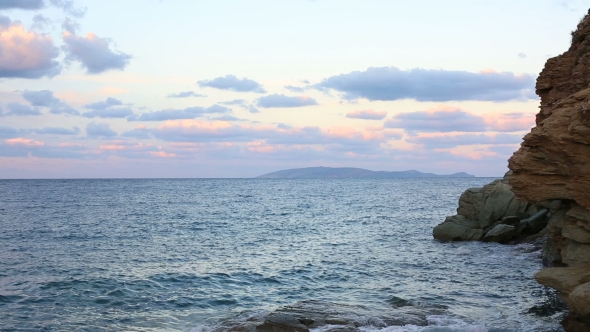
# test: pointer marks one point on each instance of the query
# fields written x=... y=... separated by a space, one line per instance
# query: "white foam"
x=435 y=324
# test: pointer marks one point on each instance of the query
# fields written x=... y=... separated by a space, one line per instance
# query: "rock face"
x=492 y=213
x=552 y=167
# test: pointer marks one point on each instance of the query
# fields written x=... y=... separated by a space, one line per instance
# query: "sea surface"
x=187 y=254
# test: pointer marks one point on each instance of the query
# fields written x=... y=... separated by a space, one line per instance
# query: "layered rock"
x=553 y=164
x=492 y=213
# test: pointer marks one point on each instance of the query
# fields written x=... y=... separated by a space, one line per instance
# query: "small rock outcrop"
x=492 y=213
x=330 y=317
x=553 y=166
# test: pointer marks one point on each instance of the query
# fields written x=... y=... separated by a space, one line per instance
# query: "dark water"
x=181 y=255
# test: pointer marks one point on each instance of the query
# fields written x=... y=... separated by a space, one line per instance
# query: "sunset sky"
x=228 y=88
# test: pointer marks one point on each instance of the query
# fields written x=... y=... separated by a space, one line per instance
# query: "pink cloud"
x=367 y=115
x=507 y=122
x=26 y=54
x=23 y=142
x=162 y=154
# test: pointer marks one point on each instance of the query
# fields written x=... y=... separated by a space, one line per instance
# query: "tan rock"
x=554 y=159
x=571 y=230
x=579 y=300
x=574 y=253
x=564 y=279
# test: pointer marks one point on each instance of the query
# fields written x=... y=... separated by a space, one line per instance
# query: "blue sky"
x=226 y=88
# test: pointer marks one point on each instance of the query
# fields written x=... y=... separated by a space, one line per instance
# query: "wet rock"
x=306 y=315
x=457 y=228
x=283 y=322
x=501 y=233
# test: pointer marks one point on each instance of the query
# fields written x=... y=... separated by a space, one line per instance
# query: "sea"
x=188 y=254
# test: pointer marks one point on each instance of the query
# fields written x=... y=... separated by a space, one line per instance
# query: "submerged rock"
x=305 y=315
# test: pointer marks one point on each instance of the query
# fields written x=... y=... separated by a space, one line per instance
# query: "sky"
x=228 y=88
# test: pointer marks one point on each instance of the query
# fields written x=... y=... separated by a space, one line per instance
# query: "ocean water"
x=186 y=254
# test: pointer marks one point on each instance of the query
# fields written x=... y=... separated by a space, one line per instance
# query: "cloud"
x=366 y=115
x=94 y=53
x=8 y=132
x=109 y=113
x=231 y=82
x=449 y=119
x=226 y=117
x=391 y=83
x=438 y=141
x=99 y=130
x=437 y=120
x=22 y=4
x=42 y=98
x=238 y=102
x=140 y=132
x=19 y=109
x=107 y=103
x=507 y=122
x=105 y=109
x=45 y=98
x=336 y=138
x=185 y=94
x=57 y=131
x=68 y=7
x=243 y=104
x=70 y=25
x=277 y=100
x=40 y=22
x=26 y=54
x=177 y=114
x=296 y=89
x=522 y=55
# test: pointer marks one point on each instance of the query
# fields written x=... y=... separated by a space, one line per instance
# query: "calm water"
x=181 y=255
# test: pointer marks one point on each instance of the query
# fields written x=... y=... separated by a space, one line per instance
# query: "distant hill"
x=352 y=173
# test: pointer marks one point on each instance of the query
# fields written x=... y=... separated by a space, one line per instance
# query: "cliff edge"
x=552 y=167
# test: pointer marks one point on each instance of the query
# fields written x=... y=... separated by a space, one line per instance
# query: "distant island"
x=352 y=173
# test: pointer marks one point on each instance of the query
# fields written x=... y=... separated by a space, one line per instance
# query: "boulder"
x=579 y=300
x=564 y=279
x=471 y=202
x=510 y=220
x=501 y=233
x=457 y=228
x=500 y=203
x=535 y=223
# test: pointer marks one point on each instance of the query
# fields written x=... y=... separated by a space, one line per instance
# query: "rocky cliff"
x=553 y=166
